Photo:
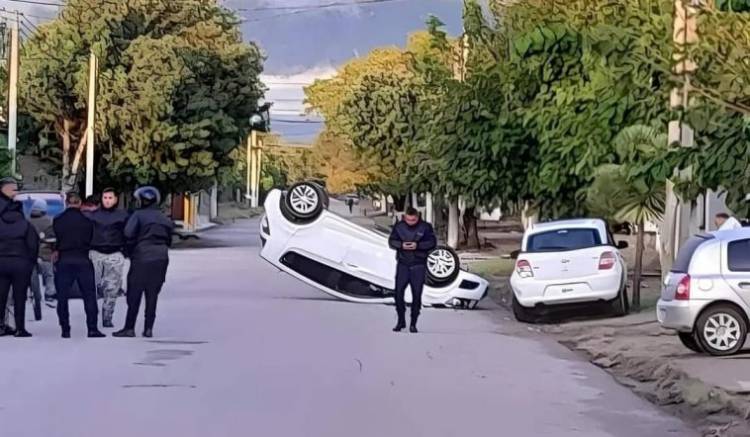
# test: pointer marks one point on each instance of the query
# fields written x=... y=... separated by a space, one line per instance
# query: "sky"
x=308 y=39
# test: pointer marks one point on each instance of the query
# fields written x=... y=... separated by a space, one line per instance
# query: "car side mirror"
x=622 y=245
x=514 y=254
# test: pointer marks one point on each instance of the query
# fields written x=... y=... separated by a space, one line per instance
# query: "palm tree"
x=628 y=194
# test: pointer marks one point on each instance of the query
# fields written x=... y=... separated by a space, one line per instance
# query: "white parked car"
x=302 y=238
x=565 y=263
x=706 y=295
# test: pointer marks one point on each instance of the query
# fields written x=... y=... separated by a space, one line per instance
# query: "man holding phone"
x=412 y=239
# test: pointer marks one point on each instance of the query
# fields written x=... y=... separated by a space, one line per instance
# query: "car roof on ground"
x=568 y=223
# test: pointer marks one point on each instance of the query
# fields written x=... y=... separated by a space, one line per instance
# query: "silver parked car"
x=706 y=296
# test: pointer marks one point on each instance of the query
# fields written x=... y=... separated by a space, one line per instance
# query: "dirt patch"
x=646 y=358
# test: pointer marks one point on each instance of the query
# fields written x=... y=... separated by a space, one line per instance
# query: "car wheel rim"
x=441 y=263
x=722 y=331
x=303 y=199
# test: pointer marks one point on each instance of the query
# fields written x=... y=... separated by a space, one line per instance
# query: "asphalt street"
x=244 y=350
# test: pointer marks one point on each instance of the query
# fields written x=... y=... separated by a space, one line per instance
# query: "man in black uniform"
x=149 y=235
x=413 y=239
x=19 y=248
x=72 y=265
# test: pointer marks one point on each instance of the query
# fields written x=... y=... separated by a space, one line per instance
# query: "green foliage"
x=176 y=87
x=733 y=5
x=580 y=72
x=631 y=190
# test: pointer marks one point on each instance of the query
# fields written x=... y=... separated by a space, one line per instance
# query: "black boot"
x=148 y=332
x=399 y=326
x=95 y=333
x=65 y=332
x=6 y=330
x=413 y=324
x=124 y=333
x=413 y=328
x=22 y=333
x=108 y=324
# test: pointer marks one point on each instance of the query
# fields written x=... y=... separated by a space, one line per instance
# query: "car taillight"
x=607 y=261
x=523 y=268
x=683 y=289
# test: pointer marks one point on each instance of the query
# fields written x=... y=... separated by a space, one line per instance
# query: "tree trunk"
x=70 y=183
x=453 y=223
x=471 y=232
x=638 y=271
x=64 y=132
x=527 y=217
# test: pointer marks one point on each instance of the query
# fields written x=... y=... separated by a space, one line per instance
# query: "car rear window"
x=563 y=239
x=685 y=254
x=739 y=256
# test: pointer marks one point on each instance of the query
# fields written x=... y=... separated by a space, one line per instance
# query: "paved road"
x=243 y=350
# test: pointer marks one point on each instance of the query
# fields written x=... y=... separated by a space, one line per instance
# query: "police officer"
x=73 y=266
x=149 y=235
x=19 y=249
x=107 y=248
x=413 y=239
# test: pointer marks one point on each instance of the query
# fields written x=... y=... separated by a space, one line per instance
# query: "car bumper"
x=679 y=315
x=530 y=293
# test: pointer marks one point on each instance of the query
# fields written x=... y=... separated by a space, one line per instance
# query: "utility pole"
x=453 y=210
x=13 y=96
x=677 y=224
x=254 y=166
x=90 y=125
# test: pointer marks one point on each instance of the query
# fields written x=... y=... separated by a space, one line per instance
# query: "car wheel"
x=621 y=305
x=721 y=330
x=522 y=314
x=443 y=266
x=304 y=202
x=688 y=340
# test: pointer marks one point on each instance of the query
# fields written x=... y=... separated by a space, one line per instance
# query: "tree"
x=338 y=164
x=176 y=87
x=579 y=72
x=627 y=193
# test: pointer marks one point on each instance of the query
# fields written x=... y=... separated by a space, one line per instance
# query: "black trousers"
x=67 y=274
x=15 y=273
x=413 y=276
x=144 y=277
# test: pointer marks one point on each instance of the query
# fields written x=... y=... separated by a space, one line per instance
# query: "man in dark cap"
x=19 y=248
x=149 y=235
x=73 y=266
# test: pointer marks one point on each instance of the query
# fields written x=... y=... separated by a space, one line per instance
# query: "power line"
x=35 y=2
x=316 y=7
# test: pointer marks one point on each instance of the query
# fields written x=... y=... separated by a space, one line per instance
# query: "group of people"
x=88 y=252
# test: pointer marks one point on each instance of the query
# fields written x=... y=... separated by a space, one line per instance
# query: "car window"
x=685 y=254
x=563 y=239
x=739 y=256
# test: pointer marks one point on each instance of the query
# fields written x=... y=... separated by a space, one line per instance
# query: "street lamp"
x=260 y=121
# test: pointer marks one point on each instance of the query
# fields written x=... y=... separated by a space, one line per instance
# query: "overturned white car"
x=302 y=238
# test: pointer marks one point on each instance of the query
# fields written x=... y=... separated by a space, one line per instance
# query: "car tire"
x=443 y=266
x=721 y=319
x=522 y=314
x=304 y=202
x=621 y=304
x=689 y=341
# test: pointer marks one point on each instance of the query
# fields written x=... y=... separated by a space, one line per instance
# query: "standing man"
x=19 y=249
x=412 y=239
x=107 y=248
x=149 y=235
x=73 y=266
x=350 y=204
x=724 y=222
x=42 y=222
